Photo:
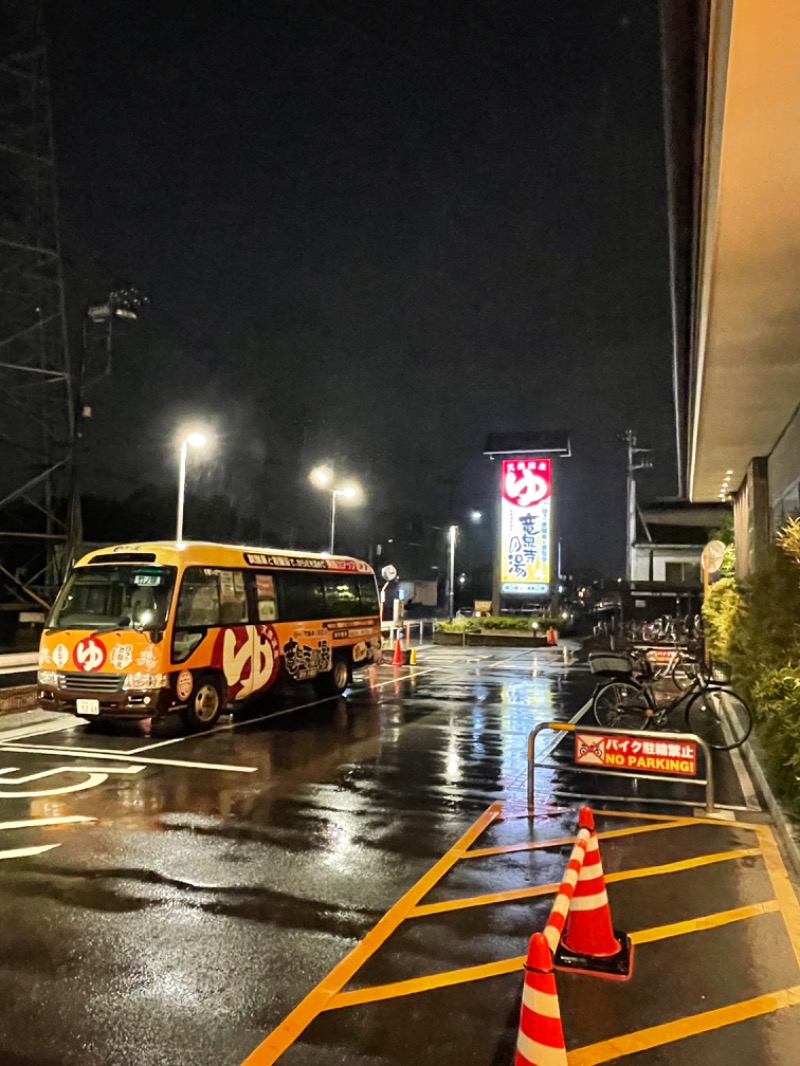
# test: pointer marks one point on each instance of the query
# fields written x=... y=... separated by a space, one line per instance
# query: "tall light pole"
x=451 y=535
x=323 y=478
x=196 y=440
x=638 y=459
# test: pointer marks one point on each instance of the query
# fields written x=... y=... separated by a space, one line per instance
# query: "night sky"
x=372 y=233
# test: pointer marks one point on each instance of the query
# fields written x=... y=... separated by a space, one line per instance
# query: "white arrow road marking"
x=96 y=776
x=112 y=756
x=21 y=853
x=34 y=823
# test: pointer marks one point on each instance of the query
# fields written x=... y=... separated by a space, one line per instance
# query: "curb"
x=17 y=698
x=786 y=828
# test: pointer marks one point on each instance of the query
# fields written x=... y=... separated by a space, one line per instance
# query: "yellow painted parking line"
x=699 y=820
x=425 y=984
x=694 y=1025
x=446 y=978
x=782 y=887
x=319 y=997
x=514 y=894
x=509 y=849
x=707 y=921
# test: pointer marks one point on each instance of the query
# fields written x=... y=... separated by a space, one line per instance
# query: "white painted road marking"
x=114 y=756
x=23 y=853
x=96 y=776
x=34 y=823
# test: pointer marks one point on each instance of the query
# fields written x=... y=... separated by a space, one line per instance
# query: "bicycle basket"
x=609 y=664
x=720 y=672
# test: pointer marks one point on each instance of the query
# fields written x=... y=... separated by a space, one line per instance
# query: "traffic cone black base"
x=617 y=967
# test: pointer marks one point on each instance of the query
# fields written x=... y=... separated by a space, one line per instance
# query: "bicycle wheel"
x=621 y=705
x=683 y=673
x=720 y=717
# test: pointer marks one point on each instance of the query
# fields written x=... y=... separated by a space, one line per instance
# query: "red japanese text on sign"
x=633 y=753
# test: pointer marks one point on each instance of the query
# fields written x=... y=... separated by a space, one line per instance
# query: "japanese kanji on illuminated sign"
x=527 y=497
x=632 y=753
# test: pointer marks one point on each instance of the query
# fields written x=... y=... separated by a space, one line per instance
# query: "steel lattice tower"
x=37 y=413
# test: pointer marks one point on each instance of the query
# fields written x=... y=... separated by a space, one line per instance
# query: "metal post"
x=181 y=489
x=333 y=519
x=452 y=533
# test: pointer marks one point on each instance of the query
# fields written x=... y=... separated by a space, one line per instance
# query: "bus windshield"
x=114 y=597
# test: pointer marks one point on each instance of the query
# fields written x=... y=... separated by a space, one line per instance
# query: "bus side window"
x=266 y=603
x=198 y=601
x=341 y=596
x=232 y=598
x=300 y=596
x=369 y=594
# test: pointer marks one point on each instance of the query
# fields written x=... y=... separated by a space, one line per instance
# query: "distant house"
x=670 y=535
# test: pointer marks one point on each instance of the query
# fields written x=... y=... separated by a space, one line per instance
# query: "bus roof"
x=202 y=553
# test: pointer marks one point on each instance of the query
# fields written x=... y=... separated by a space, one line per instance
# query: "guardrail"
x=392 y=628
x=568 y=727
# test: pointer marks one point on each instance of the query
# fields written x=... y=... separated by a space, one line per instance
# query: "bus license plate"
x=88 y=706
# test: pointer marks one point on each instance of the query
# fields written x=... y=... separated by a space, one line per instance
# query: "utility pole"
x=638 y=459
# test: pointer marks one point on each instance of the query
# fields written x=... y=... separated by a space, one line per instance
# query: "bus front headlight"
x=48 y=677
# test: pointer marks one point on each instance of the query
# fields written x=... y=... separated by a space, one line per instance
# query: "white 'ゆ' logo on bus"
x=90 y=654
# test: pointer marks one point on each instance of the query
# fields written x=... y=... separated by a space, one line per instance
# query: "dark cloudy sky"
x=372 y=232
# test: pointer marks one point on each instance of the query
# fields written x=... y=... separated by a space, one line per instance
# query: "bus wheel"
x=334 y=681
x=205 y=704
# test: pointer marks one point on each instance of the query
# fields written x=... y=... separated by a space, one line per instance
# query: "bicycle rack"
x=569 y=727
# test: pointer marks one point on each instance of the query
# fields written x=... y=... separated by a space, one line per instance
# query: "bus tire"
x=205 y=704
x=334 y=681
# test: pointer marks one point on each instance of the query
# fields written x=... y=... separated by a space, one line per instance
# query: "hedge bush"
x=756 y=627
x=509 y=623
x=720 y=609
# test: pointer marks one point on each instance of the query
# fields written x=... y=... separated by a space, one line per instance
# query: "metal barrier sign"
x=641 y=756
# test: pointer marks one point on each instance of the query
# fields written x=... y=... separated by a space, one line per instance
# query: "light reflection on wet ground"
x=198 y=906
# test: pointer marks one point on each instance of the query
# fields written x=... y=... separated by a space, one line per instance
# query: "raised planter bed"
x=490 y=639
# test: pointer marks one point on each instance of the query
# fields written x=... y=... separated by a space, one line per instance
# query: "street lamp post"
x=322 y=477
x=196 y=440
x=451 y=533
x=349 y=491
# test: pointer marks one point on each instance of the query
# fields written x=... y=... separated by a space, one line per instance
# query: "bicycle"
x=713 y=710
x=681 y=665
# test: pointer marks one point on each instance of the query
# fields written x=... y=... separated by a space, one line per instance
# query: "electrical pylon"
x=37 y=410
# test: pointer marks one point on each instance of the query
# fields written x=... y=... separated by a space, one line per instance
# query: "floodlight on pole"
x=192 y=439
x=323 y=478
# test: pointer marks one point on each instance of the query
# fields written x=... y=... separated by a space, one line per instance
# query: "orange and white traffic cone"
x=540 y=1040
x=397 y=659
x=589 y=943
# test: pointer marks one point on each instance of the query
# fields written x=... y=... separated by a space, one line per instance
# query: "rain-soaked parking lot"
x=354 y=881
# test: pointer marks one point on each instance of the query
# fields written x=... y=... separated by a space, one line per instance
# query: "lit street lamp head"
x=197 y=440
x=321 y=476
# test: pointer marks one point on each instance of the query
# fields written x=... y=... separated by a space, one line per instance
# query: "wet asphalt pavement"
x=196 y=889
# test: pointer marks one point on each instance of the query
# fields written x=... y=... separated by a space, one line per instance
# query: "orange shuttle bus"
x=145 y=630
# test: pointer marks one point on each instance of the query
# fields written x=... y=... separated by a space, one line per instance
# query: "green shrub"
x=776 y=702
x=765 y=634
x=494 y=623
x=720 y=609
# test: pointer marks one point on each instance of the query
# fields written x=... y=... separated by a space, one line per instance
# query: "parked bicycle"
x=713 y=710
x=680 y=663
